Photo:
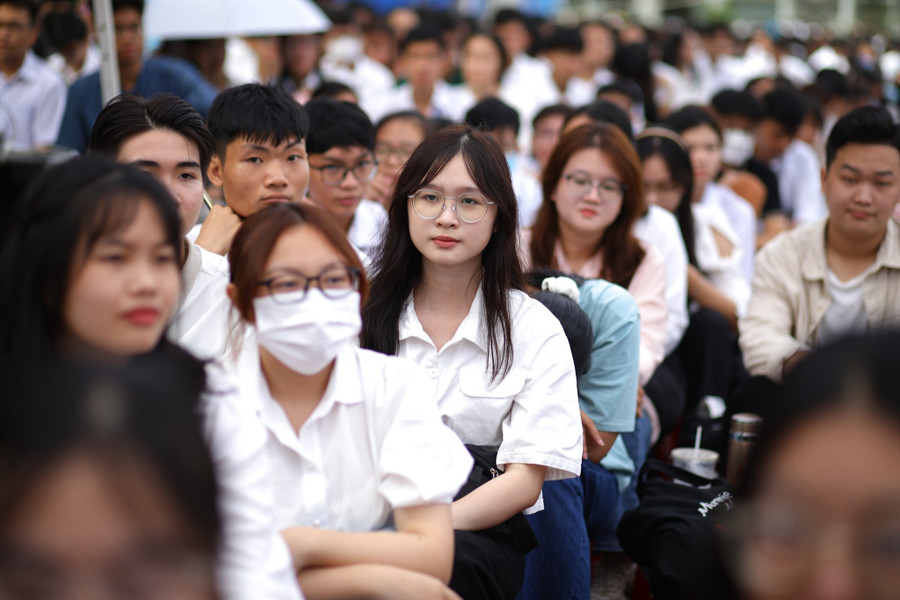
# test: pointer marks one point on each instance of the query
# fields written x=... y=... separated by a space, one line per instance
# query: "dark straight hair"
x=60 y=218
x=398 y=267
x=142 y=419
x=128 y=115
x=653 y=141
x=621 y=252
x=259 y=113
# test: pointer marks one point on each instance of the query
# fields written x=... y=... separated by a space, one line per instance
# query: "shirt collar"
x=470 y=329
x=29 y=69
x=815 y=265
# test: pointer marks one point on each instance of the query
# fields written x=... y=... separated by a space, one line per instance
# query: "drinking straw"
x=697 y=438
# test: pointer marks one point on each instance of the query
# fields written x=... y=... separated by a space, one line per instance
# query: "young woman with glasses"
x=447 y=295
x=593 y=194
x=353 y=447
x=396 y=136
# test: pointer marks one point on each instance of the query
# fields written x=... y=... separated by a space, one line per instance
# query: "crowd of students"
x=424 y=343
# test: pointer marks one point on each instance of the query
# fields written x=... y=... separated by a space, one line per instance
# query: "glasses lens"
x=333 y=174
x=471 y=207
x=610 y=190
x=338 y=281
x=364 y=171
x=428 y=204
x=578 y=186
x=287 y=289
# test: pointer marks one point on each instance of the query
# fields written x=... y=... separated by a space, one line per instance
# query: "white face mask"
x=307 y=335
x=737 y=147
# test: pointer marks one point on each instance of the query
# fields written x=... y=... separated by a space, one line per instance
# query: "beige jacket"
x=790 y=297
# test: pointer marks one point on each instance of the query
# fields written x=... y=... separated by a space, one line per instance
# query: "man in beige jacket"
x=840 y=274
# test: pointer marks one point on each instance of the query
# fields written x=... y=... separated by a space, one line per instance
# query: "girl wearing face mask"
x=701 y=134
x=95 y=257
x=447 y=294
x=353 y=443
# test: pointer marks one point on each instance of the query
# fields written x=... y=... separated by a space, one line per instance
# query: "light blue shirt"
x=32 y=102
x=607 y=392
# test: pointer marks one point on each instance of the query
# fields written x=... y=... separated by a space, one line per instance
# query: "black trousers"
x=667 y=389
x=485 y=567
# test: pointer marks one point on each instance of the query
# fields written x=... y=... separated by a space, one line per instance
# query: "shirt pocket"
x=476 y=383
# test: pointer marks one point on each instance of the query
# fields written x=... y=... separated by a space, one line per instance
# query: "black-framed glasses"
x=384 y=152
x=334 y=174
x=610 y=190
x=470 y=207
x=290 y=287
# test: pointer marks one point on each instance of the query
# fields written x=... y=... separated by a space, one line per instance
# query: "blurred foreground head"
x=821 y=513
x=107 y=489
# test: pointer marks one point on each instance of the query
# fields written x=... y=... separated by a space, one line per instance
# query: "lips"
x=443 y=241
x=587 y=212
x=348 y=202
x=142 y=316
x=276 y=199
x=859 y=214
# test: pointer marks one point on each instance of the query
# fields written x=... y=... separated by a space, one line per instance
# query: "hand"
x=592 y=437
x=639 y=406
x=792 y=361
x=379 y=189
x=219 y=230
x=404 y=584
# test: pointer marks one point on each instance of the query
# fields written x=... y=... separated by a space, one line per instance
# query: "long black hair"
x=127 y=420
x=59 y=219
x=658 y=141
x=398 y=267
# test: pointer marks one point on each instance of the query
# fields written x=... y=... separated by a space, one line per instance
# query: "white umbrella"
x=204 y=19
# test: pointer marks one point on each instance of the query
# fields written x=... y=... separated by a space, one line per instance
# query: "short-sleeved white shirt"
x=202 y=323
x=531 y=415
x=254 y=561
x=374 y=443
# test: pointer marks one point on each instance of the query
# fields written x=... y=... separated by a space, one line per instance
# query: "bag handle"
x=656 y=467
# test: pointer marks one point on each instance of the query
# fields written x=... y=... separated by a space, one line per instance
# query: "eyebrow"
x=462 y=190
x=269 y=148
x=185 y=164
x=276 y=271
x=860 y=172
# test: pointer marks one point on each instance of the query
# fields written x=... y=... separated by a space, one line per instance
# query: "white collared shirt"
x=254 y=561
x=367 y=227
x=800 y=182
x=659 y=228
x=202 y=324
x=531 y=415
x=375 y=442
x=32 y=102
x=742 y=218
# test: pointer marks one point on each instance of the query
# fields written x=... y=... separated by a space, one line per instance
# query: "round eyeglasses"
x=334 y=282
x=469 y=207
x=334 y=174
x=384 y=152
x=580 y=186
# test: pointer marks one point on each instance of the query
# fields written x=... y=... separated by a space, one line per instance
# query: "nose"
x=833 y=575
x=275 y=175
x=447 y=216
x=593 y=192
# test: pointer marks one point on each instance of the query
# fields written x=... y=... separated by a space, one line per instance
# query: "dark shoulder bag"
x=484 y=470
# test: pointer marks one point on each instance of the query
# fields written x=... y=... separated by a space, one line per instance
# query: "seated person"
x=260 y=158
x=136 y=76
x=839 y=274
x=341 y=149
x=167 y=138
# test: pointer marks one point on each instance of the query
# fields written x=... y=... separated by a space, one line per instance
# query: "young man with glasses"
x=342 y=162
x=137 y=76
x=32 y=95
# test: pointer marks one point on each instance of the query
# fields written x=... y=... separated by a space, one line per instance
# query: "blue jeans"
x=637 y=443
x=575 y=510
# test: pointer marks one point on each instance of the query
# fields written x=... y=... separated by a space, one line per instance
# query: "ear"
x=231 y=291
x=824 y=175
x=215 y=170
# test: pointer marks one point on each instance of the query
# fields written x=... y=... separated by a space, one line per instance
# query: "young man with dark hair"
x=33 y=95
x=421 y=59
x=793 y=161
x=562 y=51
x=137 y=76
x=260 y=157
x=839 y=274
x=342 y=162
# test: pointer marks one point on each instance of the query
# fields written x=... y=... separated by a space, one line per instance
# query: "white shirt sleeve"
x=254 y=560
